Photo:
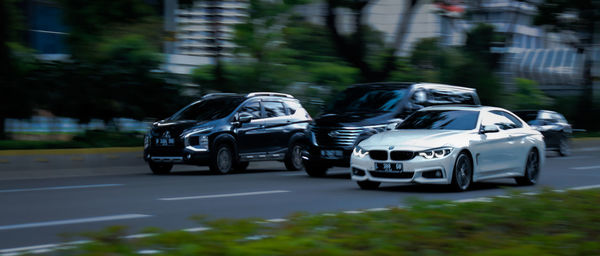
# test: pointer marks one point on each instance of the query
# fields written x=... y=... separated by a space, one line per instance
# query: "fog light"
x=358 y=172
x=438 y=174
x=148 y=156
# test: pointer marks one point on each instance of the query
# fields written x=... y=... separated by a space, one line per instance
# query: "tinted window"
x=367 y=99
x=441 y=119
x=252 y=108
x=517 y=123
x=292 y=106
x=209 y=109
x=501 y=119
x=447 y=97
x=273 y=109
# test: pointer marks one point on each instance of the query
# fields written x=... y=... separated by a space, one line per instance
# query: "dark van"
x=365 y=109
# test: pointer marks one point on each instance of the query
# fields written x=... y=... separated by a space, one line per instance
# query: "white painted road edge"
x=74 y=221
x=49 y=247
x=225 y=195
x=586 y=167
x=59 y=188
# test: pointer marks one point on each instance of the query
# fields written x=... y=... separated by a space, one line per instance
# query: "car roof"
x=462 y=107
x=416 y=84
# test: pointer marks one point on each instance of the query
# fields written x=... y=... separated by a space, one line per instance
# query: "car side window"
x=516 y=121
x=292 y=106
x=497 y=118
x=252 y=108
x=274 y=109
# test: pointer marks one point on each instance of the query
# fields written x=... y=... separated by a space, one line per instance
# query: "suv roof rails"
x=276 y=94
x=219 y=94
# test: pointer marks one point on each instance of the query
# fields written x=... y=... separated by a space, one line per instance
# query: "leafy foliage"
x=550 y=223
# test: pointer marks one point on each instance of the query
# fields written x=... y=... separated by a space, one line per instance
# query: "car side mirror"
x=244 y=118
x=489 y=128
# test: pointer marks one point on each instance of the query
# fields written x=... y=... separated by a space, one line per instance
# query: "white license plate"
x=165 y=141
x=332 y=154
x=388 y=167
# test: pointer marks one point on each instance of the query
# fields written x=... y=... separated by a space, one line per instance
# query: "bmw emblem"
x=391 y=147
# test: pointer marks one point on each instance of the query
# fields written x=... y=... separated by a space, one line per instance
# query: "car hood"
x=415 y=139
x=176 y=128
x=352 y=119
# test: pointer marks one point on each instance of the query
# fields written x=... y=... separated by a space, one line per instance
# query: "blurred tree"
x=90 y=21
x=15 y=62
x=471 y=65
x=578 y=19
x=529 y=96
x=353 y=48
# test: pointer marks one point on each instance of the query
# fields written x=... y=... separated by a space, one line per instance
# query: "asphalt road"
x=53 y=207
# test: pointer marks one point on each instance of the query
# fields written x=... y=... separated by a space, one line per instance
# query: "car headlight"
x=359 y=152
x=197 y=142
x=146 y=140
x=435 y=153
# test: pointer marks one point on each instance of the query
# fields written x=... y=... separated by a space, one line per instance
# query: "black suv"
x=226 y=131
x=365 y=109
x=552 y=125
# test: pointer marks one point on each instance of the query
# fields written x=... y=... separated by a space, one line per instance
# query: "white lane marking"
x=28 y=248
x=198 y=229
x=277 y=220
x=585 y=187
x=586 y=167
x=138 y=236
x=225 y=195
x=353 y=212
x=377 y=209
x=59 y=188
x=469 y=200
x=148 y=252
x=73 y=221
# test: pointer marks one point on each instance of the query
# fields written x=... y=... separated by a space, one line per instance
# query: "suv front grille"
x=381 y=155
x=336 y=137
x=402 y=155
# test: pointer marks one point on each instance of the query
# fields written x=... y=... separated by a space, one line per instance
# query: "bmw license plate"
x=388 y=167
x=332 y=154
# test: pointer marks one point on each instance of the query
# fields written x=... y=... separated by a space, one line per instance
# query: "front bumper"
x=415 y=170
x=176 y=156
x=313 y=155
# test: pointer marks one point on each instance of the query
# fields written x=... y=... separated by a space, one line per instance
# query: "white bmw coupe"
x=455 y=145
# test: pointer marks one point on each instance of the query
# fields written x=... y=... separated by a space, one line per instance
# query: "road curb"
x=70 y=151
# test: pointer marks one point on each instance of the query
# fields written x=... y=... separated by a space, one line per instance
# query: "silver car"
x=455 y=145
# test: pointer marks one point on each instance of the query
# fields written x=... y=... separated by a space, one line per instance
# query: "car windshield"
x=367 y=99
x=209 y=109
x=441 y=120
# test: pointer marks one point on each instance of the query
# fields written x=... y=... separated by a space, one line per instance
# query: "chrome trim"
x=167 y=159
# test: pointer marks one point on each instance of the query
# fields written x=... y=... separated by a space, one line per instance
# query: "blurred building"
x=45 y=31
x=200 y=32
x=429 y=19
x=529 y=51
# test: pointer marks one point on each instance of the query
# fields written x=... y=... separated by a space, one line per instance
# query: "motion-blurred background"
x=77 y=73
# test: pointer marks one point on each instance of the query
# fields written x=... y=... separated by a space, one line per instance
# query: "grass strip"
x=549 y=223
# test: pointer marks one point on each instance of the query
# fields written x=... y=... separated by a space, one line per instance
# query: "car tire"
x=293 y=158
x=160 y=168
x=462 y=176
x=241 y=166
x=563 y=147
x=532 y=169
x=368 y=185
x=314 y=170
x=222 y=159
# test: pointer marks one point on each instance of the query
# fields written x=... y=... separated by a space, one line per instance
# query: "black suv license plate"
x=388 y=167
